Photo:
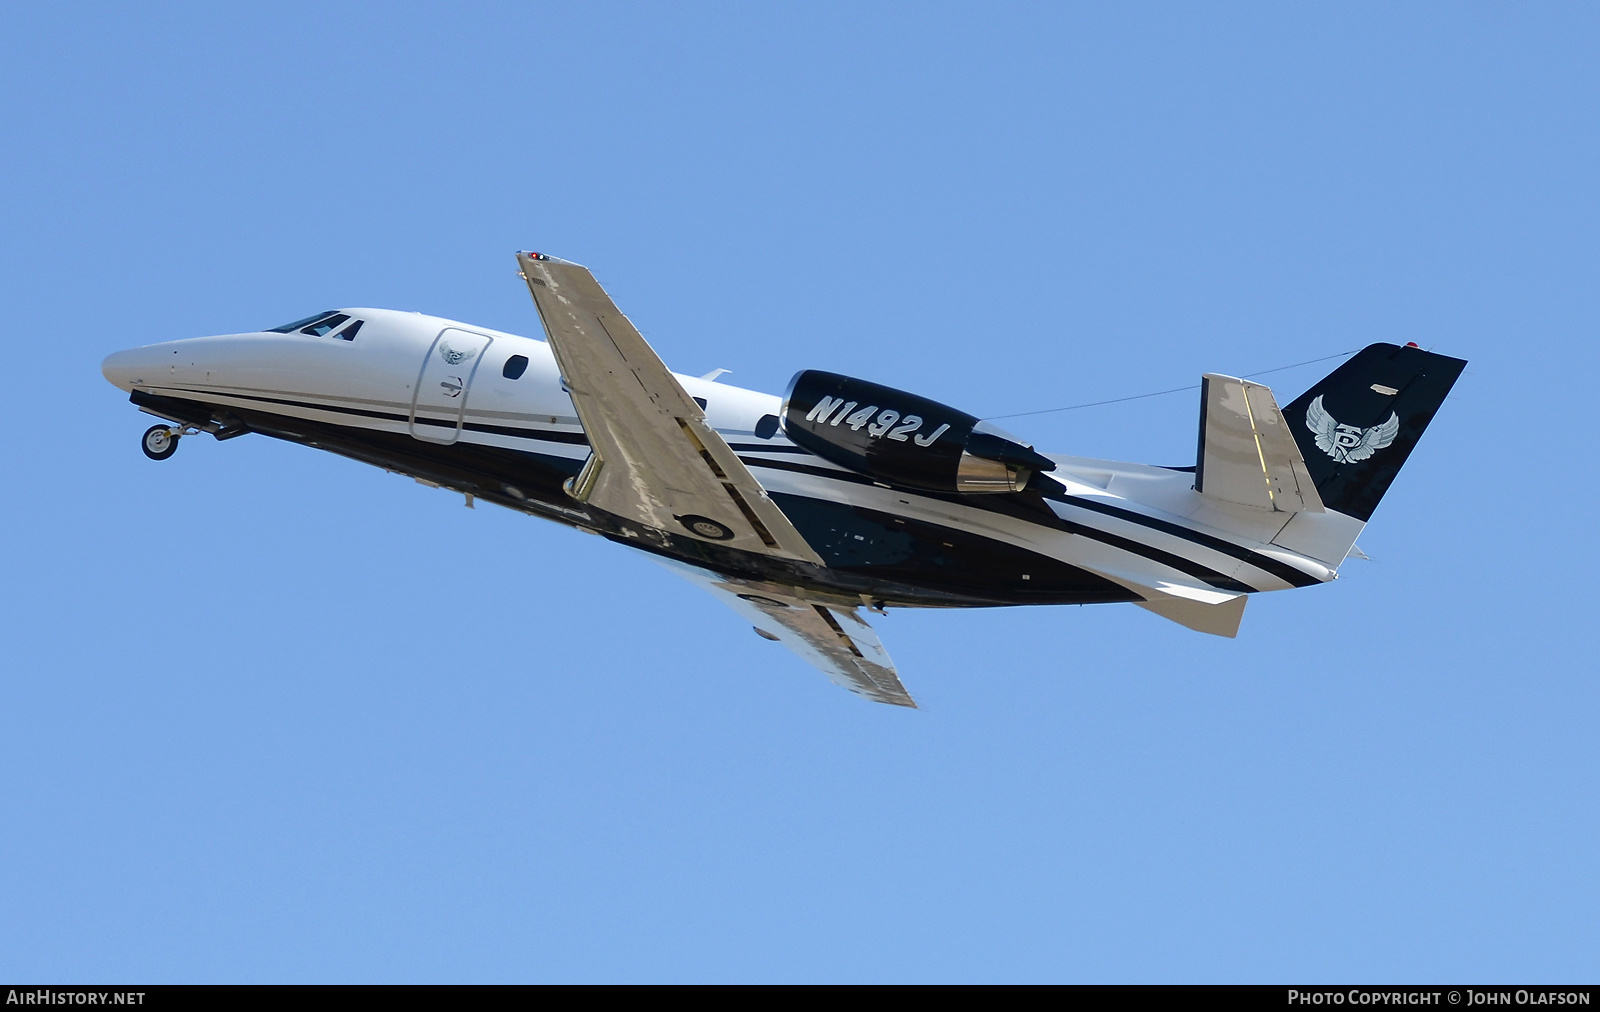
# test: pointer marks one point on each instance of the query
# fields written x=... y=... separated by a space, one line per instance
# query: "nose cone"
x=131 y=368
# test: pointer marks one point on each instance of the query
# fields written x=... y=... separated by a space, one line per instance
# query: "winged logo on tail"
x=1348 y=444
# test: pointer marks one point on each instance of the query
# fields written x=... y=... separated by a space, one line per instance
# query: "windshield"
x=296 y=325
x=321 y=327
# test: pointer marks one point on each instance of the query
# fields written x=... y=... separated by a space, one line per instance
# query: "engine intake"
x=902 y=439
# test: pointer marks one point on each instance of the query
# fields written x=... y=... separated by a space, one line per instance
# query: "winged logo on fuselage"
x=455 y=356
x=1348 y=444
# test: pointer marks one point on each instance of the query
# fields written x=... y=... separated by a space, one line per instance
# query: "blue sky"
x=271 y=715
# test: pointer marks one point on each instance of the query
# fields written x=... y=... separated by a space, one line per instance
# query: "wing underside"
x=828 y=634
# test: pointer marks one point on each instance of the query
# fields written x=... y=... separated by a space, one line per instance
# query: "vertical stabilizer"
x=1358 y=425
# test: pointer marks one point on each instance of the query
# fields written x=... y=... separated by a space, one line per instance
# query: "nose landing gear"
x=160 y=441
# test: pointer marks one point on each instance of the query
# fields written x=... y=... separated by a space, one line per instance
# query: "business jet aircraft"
x=799 y=511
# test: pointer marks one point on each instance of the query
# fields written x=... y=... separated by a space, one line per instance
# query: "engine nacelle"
x=902 y=439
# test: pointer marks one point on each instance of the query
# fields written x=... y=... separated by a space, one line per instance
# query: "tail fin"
x=1357 y=426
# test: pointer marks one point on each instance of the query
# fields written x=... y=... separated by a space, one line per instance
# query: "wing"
x=653 y=458
x=824 y=631
x=1322 y=424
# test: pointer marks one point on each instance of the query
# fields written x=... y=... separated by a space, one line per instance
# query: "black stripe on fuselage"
x=1004 y=504
x=1047 y=517
x=1266 y=563
x=868 y=553
x=546 y=435
x=766 y=448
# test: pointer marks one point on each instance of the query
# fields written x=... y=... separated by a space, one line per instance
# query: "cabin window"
x=515 y=366
x=296 y=325
x=322 y=327
x=767 y=427
x=349 y=333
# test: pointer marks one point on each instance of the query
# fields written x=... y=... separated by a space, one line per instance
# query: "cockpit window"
x=349 y=333
x=322 y=327
x=296 y=325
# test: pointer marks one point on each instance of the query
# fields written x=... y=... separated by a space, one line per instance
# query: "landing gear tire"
x=705 y=527
x=159 y=442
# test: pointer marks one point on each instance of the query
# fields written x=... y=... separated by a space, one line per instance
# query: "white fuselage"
x=1115 y=531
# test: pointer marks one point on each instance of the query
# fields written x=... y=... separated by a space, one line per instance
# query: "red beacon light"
x=1412 y=344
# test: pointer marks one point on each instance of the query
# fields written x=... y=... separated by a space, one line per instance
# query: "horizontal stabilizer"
x=1216 y=619
x=1199 y=595
x=1247 y=454
x=1151 y=585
